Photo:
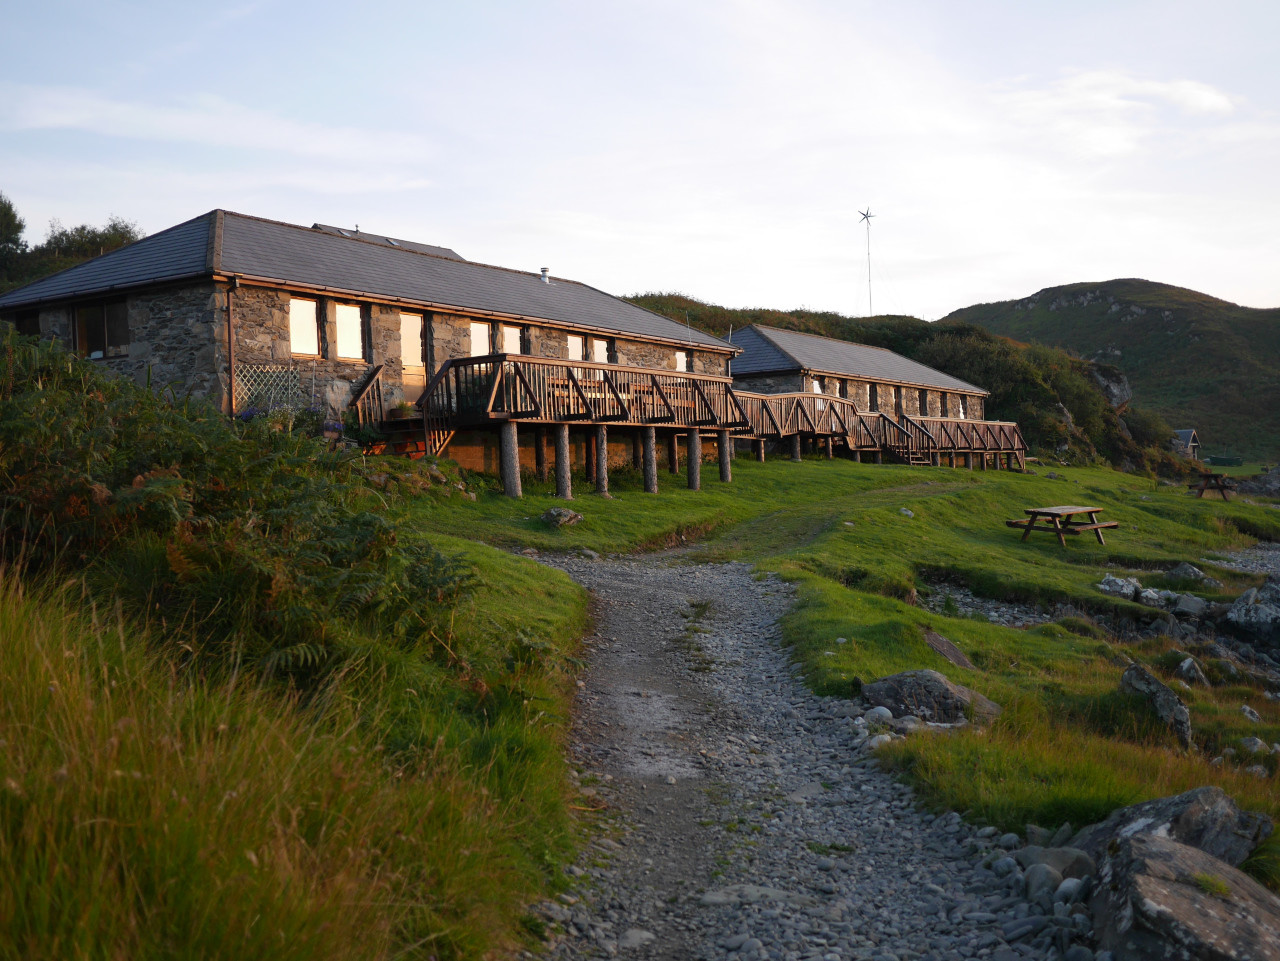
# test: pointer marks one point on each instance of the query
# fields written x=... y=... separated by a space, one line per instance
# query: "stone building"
x=775 y=361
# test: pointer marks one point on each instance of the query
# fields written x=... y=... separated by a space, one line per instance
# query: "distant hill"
x=1198 y=361
x=1055 y=398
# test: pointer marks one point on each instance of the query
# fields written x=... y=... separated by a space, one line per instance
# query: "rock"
x=752 y=894
x=906 y=512
x=1009 y=841
x=878 y=715
x=1040 y=879
x=1257 y=770
x=1189 y=572
x=1068 y=862
x=1167 y=705
x=1038 y=835
x=1149 y=596
x=928 y=695
x=635 y=938
x=879 y=741
x=1250 y=713
x=1190 y=605
x=1204 y=818
x=1189 y=671
x=1003 y=867
x=1061 y=836
x=1253 y=745
x=1257 y=611
x=1126 y=587
x=589 y=554
x=1068 y=889
x=1158 y=899
x=560 y=517
x=947 y=649
x=1078 y=952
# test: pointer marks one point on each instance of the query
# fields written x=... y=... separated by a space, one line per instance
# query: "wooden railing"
x=475 y=391
x=368 y=403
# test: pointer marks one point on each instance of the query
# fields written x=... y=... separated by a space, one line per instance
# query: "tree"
x=64 y=246
x=11 y=227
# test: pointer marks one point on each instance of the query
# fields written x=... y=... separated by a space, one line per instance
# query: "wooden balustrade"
x=368 y=402
x=479 y=391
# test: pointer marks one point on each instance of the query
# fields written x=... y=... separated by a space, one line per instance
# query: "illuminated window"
x=479 y=340
x=682 y=360
x=350 y=332
x=412 y=353
x=600 y=350
x=576 y=348
x=102 y=330
x=304 y=328
x=512 y=339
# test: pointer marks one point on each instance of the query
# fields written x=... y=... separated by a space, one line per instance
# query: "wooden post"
x=564 y=483
x=540 y=453
x=650 y=456
x=602 y=460
x=857 y=457
x=637 y=455
x=982 y=461
x=589 y=456
x=725 y=450
x=509 y=459
x=831 y=448
x=879 y=457
x=695 y=459
x=795 y=447
x=673 y=454
x=758 y=446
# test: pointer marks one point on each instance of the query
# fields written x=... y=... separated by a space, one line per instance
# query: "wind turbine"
x=866 y=218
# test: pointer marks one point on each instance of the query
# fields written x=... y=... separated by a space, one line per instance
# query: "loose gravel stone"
x=746 y=816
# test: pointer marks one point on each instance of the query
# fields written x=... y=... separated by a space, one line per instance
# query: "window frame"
x=488 y=335
x=422 y=340
x=79 y=323
x=341 y=308
x=315 y=318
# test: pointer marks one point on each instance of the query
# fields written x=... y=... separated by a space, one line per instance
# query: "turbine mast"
x=866 y=218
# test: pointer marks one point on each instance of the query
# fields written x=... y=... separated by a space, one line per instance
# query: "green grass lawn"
x=1068 y=747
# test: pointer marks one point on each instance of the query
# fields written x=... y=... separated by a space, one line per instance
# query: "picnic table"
x=1213 y=482
x=1062 y=521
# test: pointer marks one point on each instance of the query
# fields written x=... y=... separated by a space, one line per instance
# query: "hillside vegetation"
x=246 y=714
x=1198 y=361
x=1052 y=395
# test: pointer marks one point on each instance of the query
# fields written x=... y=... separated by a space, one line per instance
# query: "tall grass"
x=146 y=814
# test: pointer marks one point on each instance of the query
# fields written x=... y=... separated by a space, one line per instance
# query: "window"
x=844 y=389
x=350 y=331
x=682 y=360
x=576 y=348
x=304 y=328
x=873 y=397
x=512 y=339
x=942 y=401
x=27 y=323
x=479 y=340
x=102 y=330
x=960 y=406
x=412 y=353
x=897 y=401
x=924 y=403
x=600 y=350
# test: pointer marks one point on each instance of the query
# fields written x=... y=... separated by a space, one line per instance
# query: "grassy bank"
x=243 y=713
x=1068 y=747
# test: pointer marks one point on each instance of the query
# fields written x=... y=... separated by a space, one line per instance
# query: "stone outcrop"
x=1167 y=705
x=560 y=517
x=1158 y=899
x=1112 y=382
x=1205 y=818
x=1257 y=611
x=930 y=696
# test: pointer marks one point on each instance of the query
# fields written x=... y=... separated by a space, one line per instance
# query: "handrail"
x=368 y=401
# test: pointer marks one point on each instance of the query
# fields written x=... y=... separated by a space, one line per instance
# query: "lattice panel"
x=268 y=387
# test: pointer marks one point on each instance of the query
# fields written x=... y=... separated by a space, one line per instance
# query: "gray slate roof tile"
x=268 y=249
x=770 y=349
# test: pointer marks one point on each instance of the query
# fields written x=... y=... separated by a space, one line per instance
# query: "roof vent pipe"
x=546 y=275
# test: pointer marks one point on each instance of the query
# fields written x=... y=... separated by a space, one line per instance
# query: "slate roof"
x=772 y=350
x=1185 y=437
x=390 y=241
x=226 y=243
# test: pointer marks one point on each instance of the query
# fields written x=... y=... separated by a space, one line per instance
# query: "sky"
x=718 y=148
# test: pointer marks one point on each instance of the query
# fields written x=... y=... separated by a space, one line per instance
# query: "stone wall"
x=769 y=383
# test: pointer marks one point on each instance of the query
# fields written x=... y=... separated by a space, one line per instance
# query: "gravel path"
x=748 y=821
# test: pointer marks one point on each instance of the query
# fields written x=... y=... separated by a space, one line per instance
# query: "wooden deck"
x=487 y=391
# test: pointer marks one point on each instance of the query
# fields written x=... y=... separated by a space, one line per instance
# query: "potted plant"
x=402 y=411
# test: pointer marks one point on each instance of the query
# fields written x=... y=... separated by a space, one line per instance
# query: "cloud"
x=206 y=120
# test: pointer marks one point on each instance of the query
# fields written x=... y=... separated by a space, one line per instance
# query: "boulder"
x=1126 y=587
x=1167 y=705
x=929 y=696
x=1149 y=596
x=1158 y=899
x=1188 y=605
x=1189 y=572
x=1257 y=611
x=947 y=649
x=1040 y=879
x=560 y=517
x=1190 y=672
x=1205 y=818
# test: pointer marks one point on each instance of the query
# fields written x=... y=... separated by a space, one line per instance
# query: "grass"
x=1068 y=746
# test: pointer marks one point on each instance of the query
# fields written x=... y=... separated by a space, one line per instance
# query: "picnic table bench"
x=1213 y=482
x=1061 y=521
